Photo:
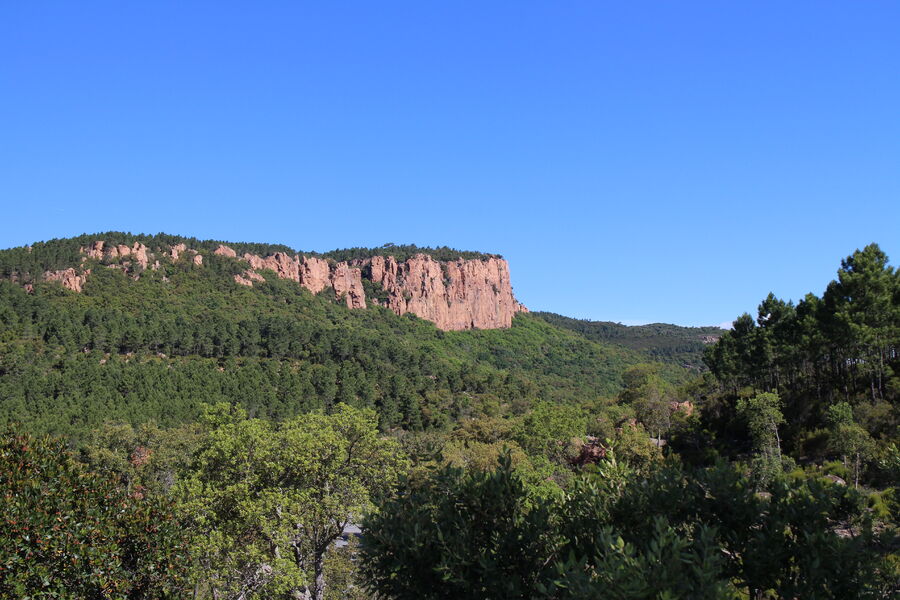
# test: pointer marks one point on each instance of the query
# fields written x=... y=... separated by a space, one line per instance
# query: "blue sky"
x=635 y=161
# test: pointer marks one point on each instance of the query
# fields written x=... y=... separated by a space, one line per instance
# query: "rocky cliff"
x=460 y=294
x=454 y=295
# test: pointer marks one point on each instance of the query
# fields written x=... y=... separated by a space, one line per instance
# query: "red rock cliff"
x=460 y=294
x=454 y=295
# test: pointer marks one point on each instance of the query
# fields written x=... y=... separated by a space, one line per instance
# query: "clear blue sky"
x=635 y=161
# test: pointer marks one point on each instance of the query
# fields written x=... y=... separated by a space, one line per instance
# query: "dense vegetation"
x=683 y=346
x=67 y=532
x=674 y=533
x=219 y=438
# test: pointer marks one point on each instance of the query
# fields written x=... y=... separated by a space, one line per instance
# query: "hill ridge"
x=453 y=289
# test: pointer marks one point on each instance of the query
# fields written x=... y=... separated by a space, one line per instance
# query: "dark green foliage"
x=403 y=252
x=66 y=532
x=459 y=535
x=683 y=346
x=788 y=542
x=669 y=563
x=677 y=533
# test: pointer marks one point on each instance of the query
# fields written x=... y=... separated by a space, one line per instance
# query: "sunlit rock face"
x=454 y=295
x=460 y=294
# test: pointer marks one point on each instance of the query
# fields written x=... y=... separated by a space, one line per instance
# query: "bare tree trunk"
x=319 y=568
x=777 y=441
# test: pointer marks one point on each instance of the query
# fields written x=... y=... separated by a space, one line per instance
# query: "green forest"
x=170 y=434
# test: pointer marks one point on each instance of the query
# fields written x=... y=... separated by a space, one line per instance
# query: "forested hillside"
x=683 y=346
x=154 y=344
x=211 y=439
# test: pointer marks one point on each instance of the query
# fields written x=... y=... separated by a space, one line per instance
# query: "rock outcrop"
x=100 y=251
x=69 y=278
x=248 y=277
x=687 y=407
x=454 y=295
x=225 y=251
x=347 y=283
x=315 y=274
x=177 y=250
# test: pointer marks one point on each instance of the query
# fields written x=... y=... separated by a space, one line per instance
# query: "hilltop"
x=453 y=289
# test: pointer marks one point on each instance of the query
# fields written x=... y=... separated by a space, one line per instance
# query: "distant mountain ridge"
x=660 y=341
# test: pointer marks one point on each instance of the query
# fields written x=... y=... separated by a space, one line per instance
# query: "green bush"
x=837 y=468
x=66 y=532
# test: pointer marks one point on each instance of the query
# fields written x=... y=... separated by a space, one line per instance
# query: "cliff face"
x=454 y=295
x=460 y=294
x=315 y=274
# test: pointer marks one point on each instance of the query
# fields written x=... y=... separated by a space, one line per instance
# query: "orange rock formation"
x=69 y=278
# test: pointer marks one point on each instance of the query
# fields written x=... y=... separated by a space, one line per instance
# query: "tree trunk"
x=777 y=441
x=319 y=585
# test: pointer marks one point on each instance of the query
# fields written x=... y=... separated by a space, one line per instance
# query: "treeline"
x=403 y=252
x=29 y=262
x=841 y=347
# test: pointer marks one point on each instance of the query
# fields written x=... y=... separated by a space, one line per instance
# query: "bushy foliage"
x=459 y=534
x=677 y=532
x=67 y=532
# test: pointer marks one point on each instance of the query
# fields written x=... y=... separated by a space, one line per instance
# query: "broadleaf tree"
x=269 y=500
